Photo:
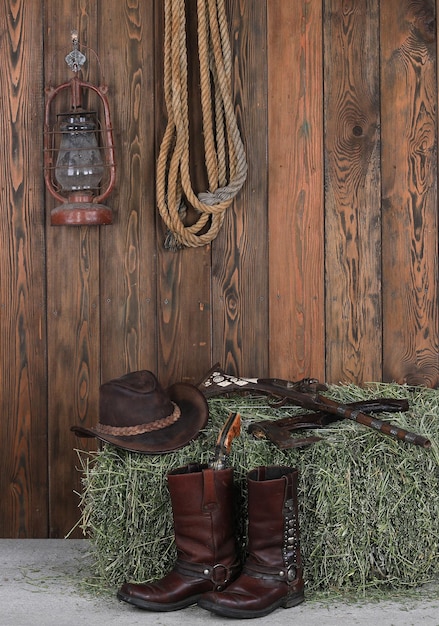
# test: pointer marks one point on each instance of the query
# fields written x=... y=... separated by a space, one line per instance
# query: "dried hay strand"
x=369 y=505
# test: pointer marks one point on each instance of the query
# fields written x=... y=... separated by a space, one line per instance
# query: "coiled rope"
x=224 y=153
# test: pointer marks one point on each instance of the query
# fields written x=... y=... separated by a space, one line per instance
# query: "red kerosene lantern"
x=79 y=165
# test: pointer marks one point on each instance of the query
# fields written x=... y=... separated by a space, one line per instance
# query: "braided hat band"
x=130 y=431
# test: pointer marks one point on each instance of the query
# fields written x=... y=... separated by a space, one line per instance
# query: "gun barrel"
x=373 y=422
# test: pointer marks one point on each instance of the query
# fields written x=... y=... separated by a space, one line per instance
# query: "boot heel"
x=293 y=600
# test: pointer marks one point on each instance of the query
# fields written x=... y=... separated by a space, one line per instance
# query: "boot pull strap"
x=289 y=487
x=258 y=473
x=210 y=500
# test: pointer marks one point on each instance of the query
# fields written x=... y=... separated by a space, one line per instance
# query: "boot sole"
x=224 y=611
x=154 y=606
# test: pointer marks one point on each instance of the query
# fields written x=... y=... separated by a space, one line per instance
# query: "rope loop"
x=224 y=153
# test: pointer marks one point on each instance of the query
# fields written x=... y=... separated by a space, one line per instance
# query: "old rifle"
x=230 y=430
x=304 y=393
x=279 y=431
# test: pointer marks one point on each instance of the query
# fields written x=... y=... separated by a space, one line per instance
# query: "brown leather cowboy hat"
x=137 y=414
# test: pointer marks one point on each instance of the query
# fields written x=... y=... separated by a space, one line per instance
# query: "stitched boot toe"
x=247 y=597
x=172 y=593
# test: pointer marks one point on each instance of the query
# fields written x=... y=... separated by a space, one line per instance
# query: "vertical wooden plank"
x=352 y=203
x=240 y=251
x=72 y=296
x=410 y=224
x=295 y=135
x=183 y=277
x=128 y=247
x=23 y=428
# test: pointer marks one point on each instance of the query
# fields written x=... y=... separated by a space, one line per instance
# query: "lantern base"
x=81 y=214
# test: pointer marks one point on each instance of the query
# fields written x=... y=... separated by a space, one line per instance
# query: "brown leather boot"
x=272 y=573
x=202 y=505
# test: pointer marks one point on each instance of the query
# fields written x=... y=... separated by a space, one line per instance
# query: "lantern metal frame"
x=79 y=207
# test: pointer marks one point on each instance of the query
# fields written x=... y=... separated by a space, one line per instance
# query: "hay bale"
x=369 y=505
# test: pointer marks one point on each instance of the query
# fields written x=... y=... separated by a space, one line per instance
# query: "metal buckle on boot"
x=214 y=575
x=208 y=572
x=291 y=573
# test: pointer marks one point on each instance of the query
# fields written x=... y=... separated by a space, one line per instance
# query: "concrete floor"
x=41 y=584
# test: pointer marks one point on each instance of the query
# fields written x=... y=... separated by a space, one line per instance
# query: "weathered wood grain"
x=128 y=247
x=352 y=186
x=295 y=199
x=409 y=171
x=23 y=387
x=73 y=345
x=240 y=252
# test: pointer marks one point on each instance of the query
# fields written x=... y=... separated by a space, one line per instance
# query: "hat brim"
x=194 y=416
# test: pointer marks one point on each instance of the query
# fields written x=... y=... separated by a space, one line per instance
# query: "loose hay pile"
x=369 y=505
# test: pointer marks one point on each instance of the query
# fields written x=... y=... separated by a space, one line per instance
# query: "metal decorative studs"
x=290 y=544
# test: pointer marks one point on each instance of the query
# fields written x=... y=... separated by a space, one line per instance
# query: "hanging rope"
x=224 y=153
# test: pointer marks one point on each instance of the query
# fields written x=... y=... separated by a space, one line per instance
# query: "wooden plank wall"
x=409 y=193
x=352 y=191
x=327 y=262
x=295 y=199
x=23 y=345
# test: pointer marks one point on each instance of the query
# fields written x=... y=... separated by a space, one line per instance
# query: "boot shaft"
x=273 y=520
x=203 y=513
